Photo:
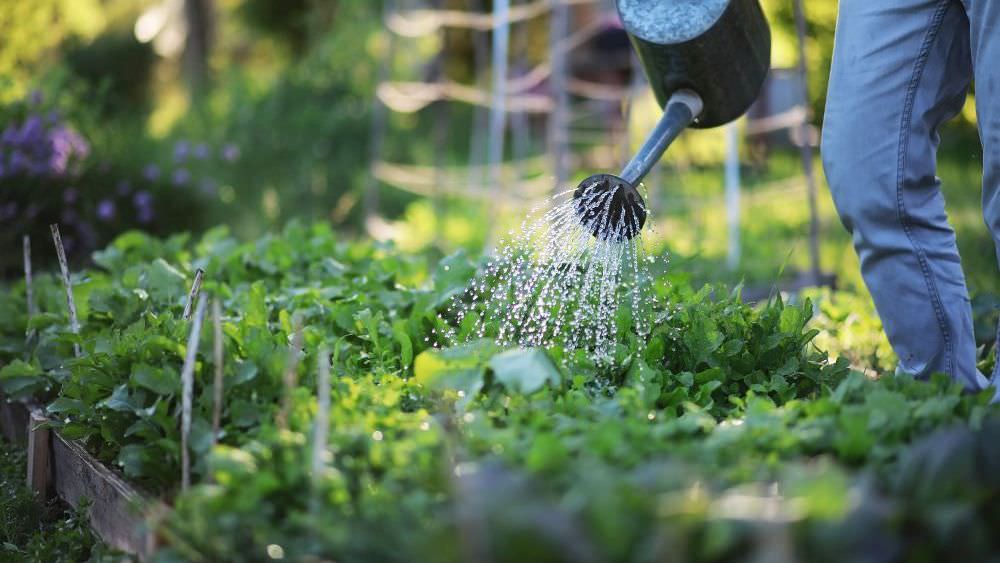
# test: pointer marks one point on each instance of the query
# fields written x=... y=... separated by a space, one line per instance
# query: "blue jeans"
x=901 y=68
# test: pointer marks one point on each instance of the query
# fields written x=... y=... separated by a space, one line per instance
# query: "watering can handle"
x=683 y=107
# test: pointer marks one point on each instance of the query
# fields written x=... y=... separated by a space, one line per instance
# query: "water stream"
x=552 y=281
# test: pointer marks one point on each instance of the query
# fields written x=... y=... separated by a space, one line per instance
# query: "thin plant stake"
x=74 y=325
x=217 y=344
x=187 y=389
x=29 y=293
x=193 y=295
x=323 y=413
x=291 y=374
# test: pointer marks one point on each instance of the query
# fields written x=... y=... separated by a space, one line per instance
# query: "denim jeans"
x=901 y=68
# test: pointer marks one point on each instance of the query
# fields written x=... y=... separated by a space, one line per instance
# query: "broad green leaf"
x=119 y=400
x=20 y=379
x=161 y=381
x=524 y=370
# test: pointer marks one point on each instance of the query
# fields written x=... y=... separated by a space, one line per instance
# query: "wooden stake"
x=29 y=292
x=323 y=413
x=187 y=383
x=217 y=349
x=193 y=295
x=291 y=374
x=64 y=268
x=39 y=471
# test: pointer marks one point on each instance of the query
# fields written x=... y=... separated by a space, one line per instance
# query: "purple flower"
x=9 y=136
x=35 y=98
x=8 y=211
x=66 y=145
x=181 y=177
x=52 y=117
x=123 y=188
x=181 y=150
x=208 y=186
x=230 y=152
x=70 y=195
x=31 y=131
x=32 y=211
x=142 y=199
x=68 y=216
x=201 y=151
x=145 y=214
x=17 y=162
x=151 y=172
x=106 y=210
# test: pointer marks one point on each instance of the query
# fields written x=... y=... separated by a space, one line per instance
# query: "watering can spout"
x=610 y=206
x=706 y=61
x=681 y=110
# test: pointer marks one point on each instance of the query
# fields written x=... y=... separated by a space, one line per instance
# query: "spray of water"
x=573 y=275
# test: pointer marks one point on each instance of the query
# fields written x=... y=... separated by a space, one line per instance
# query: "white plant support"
x=74 y=324
x=217 y=352
x=559 y=118
x=322 y=414
x=193 y=295
x=29 y=293
x=187 y=389
x=498 y=109
x=733 y=196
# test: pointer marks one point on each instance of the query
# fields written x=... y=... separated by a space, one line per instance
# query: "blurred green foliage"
x=116 y=70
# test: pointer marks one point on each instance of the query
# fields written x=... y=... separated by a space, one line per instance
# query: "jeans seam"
x=904 y=145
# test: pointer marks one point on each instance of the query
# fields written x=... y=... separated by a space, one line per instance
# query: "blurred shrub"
x=291 y=22
x=302 y=134
x=50 y=173
x=116 y=68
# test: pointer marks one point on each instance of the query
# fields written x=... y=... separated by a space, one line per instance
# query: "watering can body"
x=706 y=61
x=720 y=49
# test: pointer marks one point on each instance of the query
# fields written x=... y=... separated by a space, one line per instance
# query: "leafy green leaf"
x=524 y=370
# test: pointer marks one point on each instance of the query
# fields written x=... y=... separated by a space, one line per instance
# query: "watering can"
x=706 y=61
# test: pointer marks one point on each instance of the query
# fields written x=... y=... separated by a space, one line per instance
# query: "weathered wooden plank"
x=119 y=514
x=39 y=454
x=14 y=421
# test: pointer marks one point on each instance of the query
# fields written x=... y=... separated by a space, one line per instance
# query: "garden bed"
x=119 y=514
x=721 y=430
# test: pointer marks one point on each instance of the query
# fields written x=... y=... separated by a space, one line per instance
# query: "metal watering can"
x=706 y=61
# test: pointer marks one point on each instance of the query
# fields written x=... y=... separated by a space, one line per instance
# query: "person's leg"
x=984 y=20
x=901 y=68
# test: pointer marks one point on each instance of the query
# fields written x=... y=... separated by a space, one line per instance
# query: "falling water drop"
x=575 y=274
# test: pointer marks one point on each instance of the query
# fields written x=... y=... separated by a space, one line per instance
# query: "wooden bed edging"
x=119 y=514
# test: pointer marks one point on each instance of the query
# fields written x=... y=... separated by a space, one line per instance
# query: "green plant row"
x=725 y=435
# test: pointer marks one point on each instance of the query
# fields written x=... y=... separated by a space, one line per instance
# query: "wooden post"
x=39 y=467
x=74 y=325
x=193 y=295
x=805 y=142
x=217 y=348
x=187 y=383
x=291 y=374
